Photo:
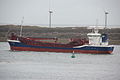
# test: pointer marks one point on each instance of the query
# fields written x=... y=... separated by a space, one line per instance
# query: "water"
x=21 y=65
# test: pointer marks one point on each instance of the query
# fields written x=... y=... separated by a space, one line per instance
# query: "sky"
x=70 y=12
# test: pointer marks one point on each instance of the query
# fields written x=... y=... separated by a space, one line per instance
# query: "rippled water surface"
x=24 y=65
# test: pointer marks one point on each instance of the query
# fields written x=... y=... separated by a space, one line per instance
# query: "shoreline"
x=59 y=32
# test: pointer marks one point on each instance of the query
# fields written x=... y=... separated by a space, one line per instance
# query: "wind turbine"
x=106 y=13
x=50 y=15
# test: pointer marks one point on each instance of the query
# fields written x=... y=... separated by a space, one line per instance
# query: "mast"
x=21 y=27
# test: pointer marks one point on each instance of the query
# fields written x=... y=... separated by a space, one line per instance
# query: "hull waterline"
x=18 y=46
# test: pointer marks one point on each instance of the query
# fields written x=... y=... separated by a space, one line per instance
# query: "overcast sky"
x=82 y=12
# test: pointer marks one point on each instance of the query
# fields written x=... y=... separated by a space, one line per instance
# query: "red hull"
x=58 y=50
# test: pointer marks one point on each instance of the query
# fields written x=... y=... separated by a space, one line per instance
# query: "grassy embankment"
x=62 y=33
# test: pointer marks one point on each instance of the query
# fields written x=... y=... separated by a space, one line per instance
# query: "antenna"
x=96 y=22
x=21 y=26
x=50 y=13
x=96 y=27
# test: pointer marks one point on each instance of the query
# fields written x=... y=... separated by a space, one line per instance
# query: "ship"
x=97 y=43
